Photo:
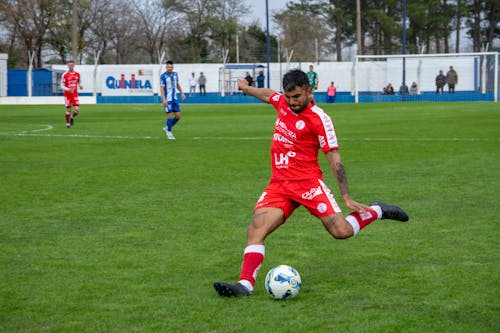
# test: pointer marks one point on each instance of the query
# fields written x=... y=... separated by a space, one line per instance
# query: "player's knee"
x=338 y=227
x=342 y=233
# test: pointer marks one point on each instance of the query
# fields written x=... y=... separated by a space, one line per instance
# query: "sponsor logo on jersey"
x=300 y=125
x=281 y=161
x=281 y=127
x=280 y=138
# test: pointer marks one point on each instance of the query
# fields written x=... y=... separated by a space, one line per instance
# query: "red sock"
x=362 y=220
x=68 y=115
x=252 y=260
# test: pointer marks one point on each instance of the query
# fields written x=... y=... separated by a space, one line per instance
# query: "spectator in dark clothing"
x=440 y=82
x=260 y=80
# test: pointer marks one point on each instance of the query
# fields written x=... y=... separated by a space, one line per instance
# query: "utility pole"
x=268 y=46
x=75 y=31
x=358 y=25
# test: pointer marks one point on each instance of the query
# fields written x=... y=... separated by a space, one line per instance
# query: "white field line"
x=35 y=133
x=47 y=128
x=82 y=136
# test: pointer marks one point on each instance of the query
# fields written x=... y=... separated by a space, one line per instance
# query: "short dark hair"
x=170 y=62
x=295 y=78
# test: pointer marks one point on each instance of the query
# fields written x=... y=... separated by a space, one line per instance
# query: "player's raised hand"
x=242 y=83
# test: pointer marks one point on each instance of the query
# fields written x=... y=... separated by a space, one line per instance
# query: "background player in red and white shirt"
x=70 y=82
x=301 y=130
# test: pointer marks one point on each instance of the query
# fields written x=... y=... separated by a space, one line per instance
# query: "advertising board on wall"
x=126 y=80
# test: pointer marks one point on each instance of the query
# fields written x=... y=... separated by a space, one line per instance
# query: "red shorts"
x=71 y=99
x=287 y=195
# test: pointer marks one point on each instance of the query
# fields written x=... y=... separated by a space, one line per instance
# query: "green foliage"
x=109 y=227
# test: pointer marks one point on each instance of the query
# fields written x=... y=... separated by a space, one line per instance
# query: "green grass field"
x=109 y=227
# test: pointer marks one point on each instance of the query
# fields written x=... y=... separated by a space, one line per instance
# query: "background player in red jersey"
x=70 y=82
x=301 y=130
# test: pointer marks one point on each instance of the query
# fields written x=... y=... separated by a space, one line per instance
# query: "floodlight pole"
x=268 y=44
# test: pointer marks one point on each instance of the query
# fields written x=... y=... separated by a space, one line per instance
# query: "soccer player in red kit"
x=70 y=82
x=301 y=130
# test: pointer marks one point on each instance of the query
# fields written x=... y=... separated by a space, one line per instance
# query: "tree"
x=483 y=22
x=155 y=17
x=381 y=22
x=341 y=17
x=30 y=21
x=304 y=29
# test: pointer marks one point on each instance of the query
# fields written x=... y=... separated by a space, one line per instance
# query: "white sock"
x=354 y=223
x=378 y=210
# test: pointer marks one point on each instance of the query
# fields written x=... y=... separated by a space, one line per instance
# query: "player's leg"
x=177 y=116
x=342 y=227
x=169 y=121
x=76 y=111
x=264 y=222
x=317 y=198
x=67 y=105
x=68 y=116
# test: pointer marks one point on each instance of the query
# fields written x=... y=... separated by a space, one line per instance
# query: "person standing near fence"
x=202 y=81
x=193 y=81
x=331 y=93
x=260 y=80
x=440 y=82
x=451 y=79
x=70 y=82
x=169 y=86
x=313 y=78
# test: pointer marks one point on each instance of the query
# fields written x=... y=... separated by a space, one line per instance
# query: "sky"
x=258 y=10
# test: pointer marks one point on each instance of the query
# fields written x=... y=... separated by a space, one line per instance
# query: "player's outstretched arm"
x=261 y=93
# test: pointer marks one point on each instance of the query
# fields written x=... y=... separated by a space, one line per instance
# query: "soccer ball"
x=283 y=282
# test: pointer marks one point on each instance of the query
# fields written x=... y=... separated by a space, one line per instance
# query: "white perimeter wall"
x=372 y=76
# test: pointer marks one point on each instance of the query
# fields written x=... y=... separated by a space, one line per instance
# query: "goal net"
x=415 y=77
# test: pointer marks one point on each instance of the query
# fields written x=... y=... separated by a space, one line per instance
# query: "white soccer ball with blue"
x=283 y=282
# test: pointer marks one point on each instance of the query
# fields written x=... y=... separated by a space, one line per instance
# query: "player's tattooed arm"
x=341 y=177
x=339 y=171
x=340 y=174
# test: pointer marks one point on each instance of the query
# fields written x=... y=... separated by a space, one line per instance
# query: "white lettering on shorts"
x=312 y=193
